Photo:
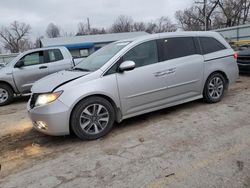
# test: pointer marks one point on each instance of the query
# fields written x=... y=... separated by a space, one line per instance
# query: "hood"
x=5 y=70
x=245 y=52
x=53 y=81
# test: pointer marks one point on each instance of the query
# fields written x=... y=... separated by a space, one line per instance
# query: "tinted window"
x=33 y=58
x=55 y=55
x=209 y=45
x=171 y=48
x=143 y=54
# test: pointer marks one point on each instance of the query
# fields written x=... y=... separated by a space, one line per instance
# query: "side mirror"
x=126 y=66
x=19 y=64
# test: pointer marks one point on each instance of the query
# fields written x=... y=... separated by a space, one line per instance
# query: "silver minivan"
x=132 y=77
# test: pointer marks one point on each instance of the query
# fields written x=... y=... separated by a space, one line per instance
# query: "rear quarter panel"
x=221 y=61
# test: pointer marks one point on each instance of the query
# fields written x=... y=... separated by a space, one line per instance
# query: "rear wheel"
x=6 y=94
x=92 y=118
x=214 y=88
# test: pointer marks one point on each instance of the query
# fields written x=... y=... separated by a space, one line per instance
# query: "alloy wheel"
x=94 y=119
x=215 y=87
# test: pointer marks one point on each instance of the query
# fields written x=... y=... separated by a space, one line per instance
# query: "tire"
x=214 y=88
x=6 y=94
x=92 y=118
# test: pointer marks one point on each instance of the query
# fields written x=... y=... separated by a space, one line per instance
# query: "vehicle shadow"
x=20 y=99
x=138 y=121
x=245 y=74
x=29 y=137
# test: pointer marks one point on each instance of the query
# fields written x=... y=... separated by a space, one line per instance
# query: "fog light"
x=41 y=125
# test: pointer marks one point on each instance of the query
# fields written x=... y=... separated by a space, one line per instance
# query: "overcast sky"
x=68 y=13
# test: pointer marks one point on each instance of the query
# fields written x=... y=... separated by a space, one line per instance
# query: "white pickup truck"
x=18 y=76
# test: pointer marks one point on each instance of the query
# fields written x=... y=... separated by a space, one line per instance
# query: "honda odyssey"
x=132 y=77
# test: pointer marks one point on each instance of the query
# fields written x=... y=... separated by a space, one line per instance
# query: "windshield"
x=100 y=57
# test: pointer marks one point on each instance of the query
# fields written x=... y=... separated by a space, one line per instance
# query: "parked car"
x=243 y=60
x=244 y=47
x=18 y=76
x=132 y=77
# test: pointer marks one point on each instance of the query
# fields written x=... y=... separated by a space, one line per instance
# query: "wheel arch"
x=223 y=74
x=214 y=72
x=118 y=114
x=8 y=84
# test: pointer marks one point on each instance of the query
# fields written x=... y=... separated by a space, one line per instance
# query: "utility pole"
x=205 y=13
x=88 y=24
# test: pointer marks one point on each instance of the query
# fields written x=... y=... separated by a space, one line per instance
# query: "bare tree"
x=68 y=34
x=126 y=24
x=193 y=18
x=164 y=24
x=234 y=12
x=122 y=24
x=94 y=31
x=83 y=29
x=219 y=13
x=189 y=19
x=160 y=25
x=139 y=26
x=53 y=31
x=15 y=37
x=151 y=27
x=37 y=43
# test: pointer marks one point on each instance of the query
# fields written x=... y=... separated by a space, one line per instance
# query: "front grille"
x=33 y=100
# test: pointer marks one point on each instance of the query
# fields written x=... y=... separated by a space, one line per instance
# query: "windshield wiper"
x=81 y=69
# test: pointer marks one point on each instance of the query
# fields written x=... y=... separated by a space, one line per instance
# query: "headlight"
x=46 y=98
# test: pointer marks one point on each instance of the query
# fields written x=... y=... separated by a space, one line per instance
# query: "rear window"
x=171 y=48
x=210 y=45
x=55 y=55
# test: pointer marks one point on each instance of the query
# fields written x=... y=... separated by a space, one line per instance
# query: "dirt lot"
x=191 y=145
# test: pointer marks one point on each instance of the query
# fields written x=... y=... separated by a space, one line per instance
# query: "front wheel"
x=214 y=88
x=92 y=118
x=6 y=94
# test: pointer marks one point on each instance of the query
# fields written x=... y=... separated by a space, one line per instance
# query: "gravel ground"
x=190 y=145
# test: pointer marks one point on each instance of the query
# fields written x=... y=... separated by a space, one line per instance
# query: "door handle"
x=43 y=67
x=158 y=74
x=165 y=72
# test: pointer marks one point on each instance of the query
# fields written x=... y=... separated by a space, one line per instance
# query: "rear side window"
x=210 y=45
x=54 y=55
x=171 y=48
x=143 y=54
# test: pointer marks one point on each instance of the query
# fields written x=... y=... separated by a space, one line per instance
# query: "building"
x=83 y=46
x=6 y=58
x=241 y=32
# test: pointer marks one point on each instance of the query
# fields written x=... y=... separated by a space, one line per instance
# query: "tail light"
x=235 y=55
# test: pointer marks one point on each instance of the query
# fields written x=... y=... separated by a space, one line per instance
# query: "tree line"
x=212 y=15
x=16 y=36
x=216 y=14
